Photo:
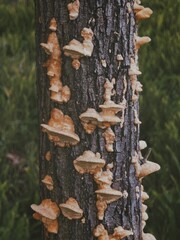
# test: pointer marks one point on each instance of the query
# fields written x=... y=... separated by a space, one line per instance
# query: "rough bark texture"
x=114 y=30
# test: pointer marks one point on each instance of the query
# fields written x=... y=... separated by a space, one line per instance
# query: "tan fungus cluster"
x=77 y=50
x=47 y=212
x=106 y=118
x=73 y=9
x=59 y=93
x=119 y=233
x=60 y=129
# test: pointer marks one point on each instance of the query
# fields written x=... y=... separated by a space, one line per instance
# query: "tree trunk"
x=114 y=28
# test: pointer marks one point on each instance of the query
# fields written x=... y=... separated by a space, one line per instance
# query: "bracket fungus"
x=89 y=162
x=139 y=41
x=77 y=50
x=101 y=233
x=148 y=236
x=107 y=117
x=143 y=14
x=47 y=180
x=119 y=233
x=60 y=129
x=48 y=156
x=105 y=193
x=109 y=138
x=73 y=9
x=71 y=209
x=147 y=168
x=133 y=70
x=59 y=93
x=47 y=212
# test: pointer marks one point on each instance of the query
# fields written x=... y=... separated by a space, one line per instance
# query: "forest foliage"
x=159 y=112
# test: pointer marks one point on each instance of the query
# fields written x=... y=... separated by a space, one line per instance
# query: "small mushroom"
x=144 y=196
x=89 y=162
x=90 y=119
x=144 y=216
x=147 y=168
x=53 y=25
x=143 y=14
x=62 y=96
x=47 y=209
x=109 y=195
x=50 y=225
x=47 y=180
x=136 y=118
x=109 y=138
x=133 y=70
x=73 y=9
x=71 y=209
x=139 y=41
x=148 y=236
x=137 y=7
x=120 y=233
x=77 y=50
x=142 y=144
x=48 y=156
x=101 y=205
x=101 y=233
x=60 y=129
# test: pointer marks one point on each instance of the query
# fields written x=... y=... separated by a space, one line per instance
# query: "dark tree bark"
x=114 y=29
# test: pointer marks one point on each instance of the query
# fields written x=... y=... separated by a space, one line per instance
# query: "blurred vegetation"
x=160 y=113
x=18 y=121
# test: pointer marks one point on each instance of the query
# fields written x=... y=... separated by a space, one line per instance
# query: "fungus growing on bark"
x=89 y=162
x=120 y=233
x=142 y=144
x=48 y=156
x=60 y=129
x=47 y=180
x=53 y=25
x=143 y=14
x=101 y=233
x=133 y=70
x=147 y=168
x=47 y=212
x=106 y=118
x=90 y=119
x=148 y=236
x=139 y=41
x=77 y=50
x=136 y=118
x=105 y=194
x=109 y=138
x=71 y=209
x=59 y=93
x=73 y=9
x=50 y=225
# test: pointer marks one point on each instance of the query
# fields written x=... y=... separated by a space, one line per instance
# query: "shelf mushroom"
x=119 y=233
x=47 y=180
x=89 y=162
x=73 y=9
x=60 y=129
x=47 y=212
x=77 y=50
x=71 y=209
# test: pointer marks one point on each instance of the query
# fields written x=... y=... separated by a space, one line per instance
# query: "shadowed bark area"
x=114 y=29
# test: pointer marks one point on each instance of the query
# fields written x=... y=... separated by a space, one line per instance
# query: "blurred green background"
x=160 y=113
